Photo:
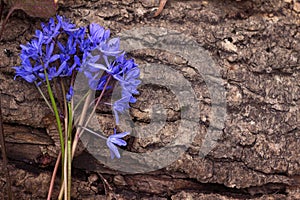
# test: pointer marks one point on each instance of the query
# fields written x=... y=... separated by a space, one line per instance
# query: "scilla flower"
x=112 y=141
x=61 y=49
x=124 y=71
x=54 y=56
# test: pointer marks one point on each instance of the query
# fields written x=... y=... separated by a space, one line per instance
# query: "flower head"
x=98 y=34
x=50 y=30
x=66 y=24
x=58 y=49
x=61 y=49
x=114 y=140
x=120 y=106
x=110 y=47
x=125 y=71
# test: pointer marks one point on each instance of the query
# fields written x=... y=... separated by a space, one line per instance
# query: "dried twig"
x=161 y=6
x=108 y=189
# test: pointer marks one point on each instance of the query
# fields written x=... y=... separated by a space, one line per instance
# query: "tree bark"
x=255 y=45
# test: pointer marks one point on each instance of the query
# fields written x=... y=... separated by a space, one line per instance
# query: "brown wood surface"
x=255 y=44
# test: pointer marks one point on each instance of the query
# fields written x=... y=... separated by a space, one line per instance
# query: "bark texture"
x=256 y=46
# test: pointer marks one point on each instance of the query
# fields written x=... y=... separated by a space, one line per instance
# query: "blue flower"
x=111 y=141
x=66 y=25
x=56 y=40
x=111 y=47
x=124 y=64
x=118 y=67
x=123 y=70
x=26 y=75
x=129 y=87
x=34 y=47
x=70 y=94
x=120 y=106
x=50 y=31
x=95 y=82
x=98 y=34
x=48 y=57
x=128 y=77
x=68 y=49
x=114 y=140
x=60 y=48
x=130 y=81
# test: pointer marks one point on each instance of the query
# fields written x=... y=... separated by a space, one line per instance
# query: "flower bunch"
x=61 y=50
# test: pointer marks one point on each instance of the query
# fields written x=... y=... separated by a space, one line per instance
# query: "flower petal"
x=113 y=148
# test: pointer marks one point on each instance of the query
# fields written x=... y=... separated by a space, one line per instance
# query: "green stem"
x=69 y=169
x=66 y=122
x=70 y=120
x=65 y=182
x=76 y=138
x=56 y=115
x=79 y=130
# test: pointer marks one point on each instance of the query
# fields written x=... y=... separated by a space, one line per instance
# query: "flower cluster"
x=60 y=49
x=125 y=71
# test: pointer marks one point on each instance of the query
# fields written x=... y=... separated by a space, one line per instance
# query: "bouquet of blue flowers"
x=54 y=57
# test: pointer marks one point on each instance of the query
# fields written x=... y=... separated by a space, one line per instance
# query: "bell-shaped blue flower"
x=114 y=140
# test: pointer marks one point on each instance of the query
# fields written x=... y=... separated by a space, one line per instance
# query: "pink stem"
x=53 y=176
